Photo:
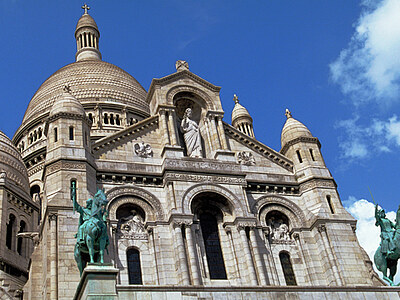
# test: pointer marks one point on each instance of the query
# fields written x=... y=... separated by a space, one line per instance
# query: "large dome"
x=11 y=164
x=89 y=79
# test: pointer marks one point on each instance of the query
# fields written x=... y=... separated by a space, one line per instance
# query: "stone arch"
x=265 y=204
x=122 y=195
x=208 y=103
x=236 y=205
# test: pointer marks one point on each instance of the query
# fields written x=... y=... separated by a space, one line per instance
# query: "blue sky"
x=334 y=64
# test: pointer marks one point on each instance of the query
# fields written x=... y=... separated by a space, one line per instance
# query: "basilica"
x=197 y=208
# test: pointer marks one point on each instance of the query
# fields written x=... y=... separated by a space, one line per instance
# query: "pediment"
x=143 y=131
x=259 y=148
x=185 y=74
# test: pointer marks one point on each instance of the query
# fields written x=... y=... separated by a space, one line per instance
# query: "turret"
x=68 y=149
x=87 y=38
x=302 y=148
x=241 y=118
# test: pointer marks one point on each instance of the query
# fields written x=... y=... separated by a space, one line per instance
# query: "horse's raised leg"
x=392 y=270
x=90 y=245
x=78 y=259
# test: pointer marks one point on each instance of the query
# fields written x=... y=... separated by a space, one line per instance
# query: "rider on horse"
x=387 y=232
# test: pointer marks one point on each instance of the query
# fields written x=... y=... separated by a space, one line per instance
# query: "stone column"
x=180 y=248
x=296 y=237
x=207 y=127
x=214 y=134
x=257 y=257
x=171 y=126
x=53 y=255
x=164 y=127
x=228 y=230
x=192 y=255
x=328 y=249
x=221 y=133
x=247 y=253
x=150 y=231
x=271 y=261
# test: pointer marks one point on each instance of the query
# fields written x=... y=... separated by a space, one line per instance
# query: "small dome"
x=239 y=112
x=293 y=129
x=11 y=164
x=67 y=104
x=86 y=21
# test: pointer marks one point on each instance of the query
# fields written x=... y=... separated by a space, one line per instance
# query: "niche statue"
x=92 y=235
x=191 y=135
x=388 y=252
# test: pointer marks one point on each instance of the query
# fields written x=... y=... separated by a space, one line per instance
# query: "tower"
x=241 y=118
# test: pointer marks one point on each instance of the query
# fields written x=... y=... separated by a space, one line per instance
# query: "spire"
x=87 y=37
x=241 y=118
x=288 y=114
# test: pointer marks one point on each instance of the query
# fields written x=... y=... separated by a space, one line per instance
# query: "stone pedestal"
x=170 y=151
x=225 y=155
x=98 y=282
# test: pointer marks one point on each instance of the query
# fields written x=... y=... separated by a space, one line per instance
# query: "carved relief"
x=245 y=158
x=202 y=165
x=316 y=183
x=143 y=150
x=132 y=226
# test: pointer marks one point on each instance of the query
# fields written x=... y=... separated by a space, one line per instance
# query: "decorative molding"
x=143 y=150
x=236 y=205
x=65 y=165
x=203 y=178
x=118 y=192
x=321 y=228
x=314 y=183
x=302 y=139
x=202 y=165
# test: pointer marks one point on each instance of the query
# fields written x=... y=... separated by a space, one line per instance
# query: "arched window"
x=20 y=242
x=10 y=232
x=117 y=120
x=299 y=156
x=134 y=270
x=55 y=134
x=90 y=117
x=328 y=199
x=287 y=268
x=35 y=194
x=112 y=119
x=209 y=230
x=105 y=119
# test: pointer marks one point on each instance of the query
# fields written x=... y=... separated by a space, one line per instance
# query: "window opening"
x=10 y=229
x=287 y=268
x=105 y=119
x=20 y=243
x=328 y=199
x=55 y=134
x=312 y=155
x=91 y=117
x=299 y=156
x=209 y=229
x=71 y=133
x=134 y=270
x=117 y=120
x=111 y=119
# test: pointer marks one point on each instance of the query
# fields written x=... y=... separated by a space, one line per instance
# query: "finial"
x=181 y=65
x=67 y=88
x=288 y=114
x=86 y=8
x=235 y=98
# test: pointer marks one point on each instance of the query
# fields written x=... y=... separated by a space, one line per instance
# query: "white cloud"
x=369 y=68
x=359 y=141
x=367 y=233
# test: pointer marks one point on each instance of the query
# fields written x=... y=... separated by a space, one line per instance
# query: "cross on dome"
x=86 y=8
x=235 y=98
x=288 y=114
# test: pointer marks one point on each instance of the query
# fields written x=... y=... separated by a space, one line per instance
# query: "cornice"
x=176 y=76
x=303 y=139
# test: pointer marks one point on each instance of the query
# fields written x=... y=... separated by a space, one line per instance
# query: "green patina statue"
x=92 y=235
x=388 y=252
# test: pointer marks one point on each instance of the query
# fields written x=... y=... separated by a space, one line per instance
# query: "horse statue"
x=92 y=235
x=388 y=252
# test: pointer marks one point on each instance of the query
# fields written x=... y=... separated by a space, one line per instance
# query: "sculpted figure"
x=92 y=235
x=133 y=223
x=191 y=135
x=388 y=252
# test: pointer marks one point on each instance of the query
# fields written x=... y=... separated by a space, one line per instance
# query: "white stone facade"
x=241 y=221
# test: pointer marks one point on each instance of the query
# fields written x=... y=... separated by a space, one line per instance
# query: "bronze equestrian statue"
x=388 y=252
x=92 y=237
